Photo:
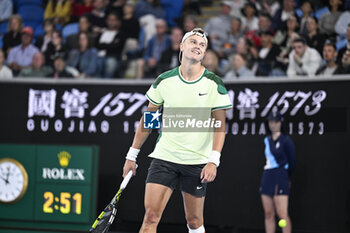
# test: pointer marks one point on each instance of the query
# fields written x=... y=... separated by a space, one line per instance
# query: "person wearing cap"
x=22 y=55
x=275 y=181
x=185 y=159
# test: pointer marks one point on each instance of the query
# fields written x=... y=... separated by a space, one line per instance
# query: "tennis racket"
x=106 y=218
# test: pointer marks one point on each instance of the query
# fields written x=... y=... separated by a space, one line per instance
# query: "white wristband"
x=132 y=154
x=214 y=158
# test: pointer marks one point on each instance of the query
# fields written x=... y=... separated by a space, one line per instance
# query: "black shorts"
x=275 y=182
x=173 y=175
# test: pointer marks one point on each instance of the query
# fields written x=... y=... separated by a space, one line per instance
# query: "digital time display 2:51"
x=66 y=202
x=63 y=203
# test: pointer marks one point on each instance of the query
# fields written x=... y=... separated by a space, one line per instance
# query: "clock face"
x=13 y=180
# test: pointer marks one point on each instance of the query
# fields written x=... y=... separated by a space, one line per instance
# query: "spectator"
x=264 y=24
x=170 y=56
x=328 y=20
x=314 y=38
x=191 y=7
x=281 y=16
x=342 y=24
x=284 y=40
x=190 y=22
x=329 y=55
x=55 y=48
x=149 y=7
x=37 y=69
x=59 y=11
x=110 y=45
x=42 y=41
x=236 y=8
x=6 y=10
x=303 y=60
x=172 y=10
x=218 y=27
x=160 y=42
x=342 y=51
x=307 y=11
x=84 y=59
x=269 y=7
x=12 y=37
x=22 y=55
x=240 y=69
x=250 y=19
x=211 y=62
x=5 y=72
x=117 y=6
x=97 y=17
x=346 y=62
x=147 y=12
x=229 y=46
x=80 y=8
x=60 y=69
x=129 y=24
x=267 y=54
x=73 y=39
x=246 y=47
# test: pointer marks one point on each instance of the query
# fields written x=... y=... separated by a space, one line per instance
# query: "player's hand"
x=129 y=165
x=208 y=173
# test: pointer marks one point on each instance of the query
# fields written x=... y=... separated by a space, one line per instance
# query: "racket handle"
x=126 y=179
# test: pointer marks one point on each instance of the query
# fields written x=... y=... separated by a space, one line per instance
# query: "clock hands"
x=6 y=180
x=7 y=177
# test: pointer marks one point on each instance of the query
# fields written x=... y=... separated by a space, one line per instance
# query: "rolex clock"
x=13 y=180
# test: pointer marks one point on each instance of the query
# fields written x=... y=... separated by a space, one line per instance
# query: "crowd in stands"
x=140 y=39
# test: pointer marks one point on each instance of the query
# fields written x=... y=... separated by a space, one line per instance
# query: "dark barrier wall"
x=316 y=117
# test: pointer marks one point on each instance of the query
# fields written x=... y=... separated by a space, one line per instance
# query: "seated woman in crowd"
x=284 y=38
x=12 y=37
x=314 y=38
x=43 y=41
x=55 y=48
x=84 y=59
x=328 y=20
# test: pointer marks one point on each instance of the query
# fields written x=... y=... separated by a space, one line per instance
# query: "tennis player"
x=280 y=164
x=184 y=160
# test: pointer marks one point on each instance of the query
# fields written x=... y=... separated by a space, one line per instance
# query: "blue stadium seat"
x=31 y=13
x=299 y=12
x=341 y=44
x=321 y=11
x=3 y=27
x=70 y=29
x=38 y=31
x=28 y=2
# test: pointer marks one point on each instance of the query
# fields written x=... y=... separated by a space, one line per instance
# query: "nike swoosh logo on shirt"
x=201 y=94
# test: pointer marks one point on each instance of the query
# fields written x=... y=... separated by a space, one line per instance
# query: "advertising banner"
x=316 y=117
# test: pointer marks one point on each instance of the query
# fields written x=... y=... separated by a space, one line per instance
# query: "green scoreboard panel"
x=48 y=187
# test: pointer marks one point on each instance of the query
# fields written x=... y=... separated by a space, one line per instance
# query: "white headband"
x=197 y=31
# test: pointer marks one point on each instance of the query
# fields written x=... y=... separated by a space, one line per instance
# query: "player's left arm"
x=209 y=171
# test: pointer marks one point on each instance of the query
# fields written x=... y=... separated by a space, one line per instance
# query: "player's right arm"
x=139 y=138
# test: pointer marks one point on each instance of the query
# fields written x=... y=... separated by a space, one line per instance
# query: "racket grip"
x=126 y=179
